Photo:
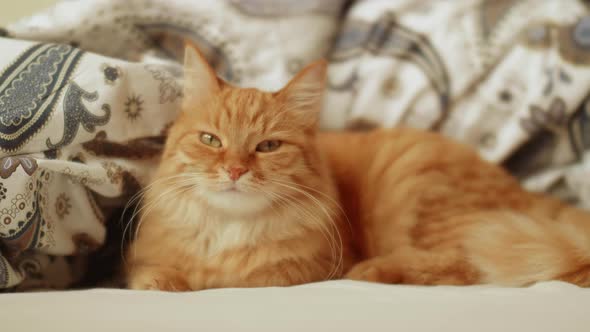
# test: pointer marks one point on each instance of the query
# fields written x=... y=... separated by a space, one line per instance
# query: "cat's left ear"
x=200 y=79
x=304 y=93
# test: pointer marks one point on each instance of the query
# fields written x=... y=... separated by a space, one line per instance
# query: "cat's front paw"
x=158 y=280
x=363 y=272
x=375 y=270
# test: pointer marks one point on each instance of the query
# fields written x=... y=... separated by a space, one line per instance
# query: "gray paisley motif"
x=170 y=88
x=76 y=114
x=170 y=38
x=29 y=91
x=280 y=8
x=387 y=37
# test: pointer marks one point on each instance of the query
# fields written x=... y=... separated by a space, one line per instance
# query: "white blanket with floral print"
x=88 y=89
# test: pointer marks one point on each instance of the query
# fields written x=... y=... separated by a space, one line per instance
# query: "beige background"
x=11 y=11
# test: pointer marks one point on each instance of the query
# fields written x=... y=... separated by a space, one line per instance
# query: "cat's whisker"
x=327 y=214
x=137 y=196
x=332 y=211
x=332 y=200
x=289 y=202
x=303 y=190
x=140 y=193
x=188 y=178
x=260 y=190
x=174 y=186
x=135 y=199
x=335 y=248
x=155 y=202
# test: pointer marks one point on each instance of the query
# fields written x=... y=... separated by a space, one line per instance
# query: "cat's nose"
x=235 y=172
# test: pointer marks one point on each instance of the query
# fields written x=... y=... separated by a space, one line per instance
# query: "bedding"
x=329 y=306
x=89 y=87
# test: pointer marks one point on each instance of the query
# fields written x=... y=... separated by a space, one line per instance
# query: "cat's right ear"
x=200 y=79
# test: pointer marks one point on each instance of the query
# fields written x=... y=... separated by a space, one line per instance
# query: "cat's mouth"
x=232 y=188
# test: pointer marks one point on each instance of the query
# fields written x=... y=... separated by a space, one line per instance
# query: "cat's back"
x=384 y=166
x=385 y=148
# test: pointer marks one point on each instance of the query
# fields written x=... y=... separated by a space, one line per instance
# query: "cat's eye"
x=268 y=146
x=210 y=139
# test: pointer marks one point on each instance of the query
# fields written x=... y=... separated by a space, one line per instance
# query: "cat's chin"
x=236 y=201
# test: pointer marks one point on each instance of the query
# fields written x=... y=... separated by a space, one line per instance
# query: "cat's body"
x=427 y=210
x=249 y=194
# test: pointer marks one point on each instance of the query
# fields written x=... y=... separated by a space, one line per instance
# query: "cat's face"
x=242 y=149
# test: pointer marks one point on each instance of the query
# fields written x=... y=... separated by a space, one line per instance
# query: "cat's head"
x=242 y=149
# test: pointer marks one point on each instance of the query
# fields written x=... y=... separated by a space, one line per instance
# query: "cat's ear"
x=304 y=93
x=200 y=79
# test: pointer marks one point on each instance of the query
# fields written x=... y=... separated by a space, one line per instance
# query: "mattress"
x=326 y=306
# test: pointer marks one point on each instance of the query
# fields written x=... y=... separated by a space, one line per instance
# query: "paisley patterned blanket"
x=88 y=89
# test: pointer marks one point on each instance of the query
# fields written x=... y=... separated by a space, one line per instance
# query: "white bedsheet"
x=328 y=306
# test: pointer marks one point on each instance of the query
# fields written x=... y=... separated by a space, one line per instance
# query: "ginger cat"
x=248 y=194
x=242 y=196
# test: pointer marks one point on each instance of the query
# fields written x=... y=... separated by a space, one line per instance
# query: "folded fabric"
x=85 y=106
x=89 y=88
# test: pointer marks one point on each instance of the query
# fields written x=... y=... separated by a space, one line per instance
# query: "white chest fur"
x=208 y=232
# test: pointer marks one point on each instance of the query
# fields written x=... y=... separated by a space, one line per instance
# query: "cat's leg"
x=377 y=269
x=286 y=272
x=518 y=249
x=414 y=266
x=154 y=277
x=502 y=248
